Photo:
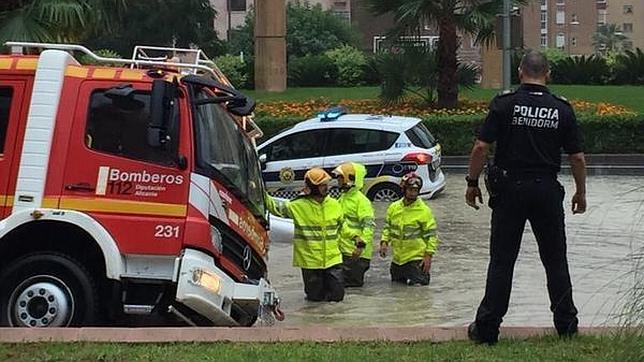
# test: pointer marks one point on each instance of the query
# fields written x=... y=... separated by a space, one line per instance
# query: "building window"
x=544 y=40
x=561 y=17
x=628 y=27
x=544 y=19
x=237 y=5
x=561 y=40
x=628 y=9
x=560 y=2
x=574 y=19
x=601 y=17
x=573 y=41
x=345 y=15
x=627 y=44
x=544 y=3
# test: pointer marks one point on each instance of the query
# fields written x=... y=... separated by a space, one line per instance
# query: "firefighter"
x=318 y=220
x=356 y=241
x=410 y=229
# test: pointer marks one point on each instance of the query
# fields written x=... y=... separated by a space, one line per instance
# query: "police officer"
x=318 y=221
x=530 y=127
x=356 y=240
x=410 y=229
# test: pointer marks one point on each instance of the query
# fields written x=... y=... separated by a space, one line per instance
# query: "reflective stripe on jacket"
x=410 y=230
x=359 y=216
x=317 y=230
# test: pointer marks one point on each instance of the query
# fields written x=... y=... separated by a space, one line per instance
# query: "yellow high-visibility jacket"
x=410 y=230
x=317 y=229
x=358 y=215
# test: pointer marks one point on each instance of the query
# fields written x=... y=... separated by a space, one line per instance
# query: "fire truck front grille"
x=245 y=257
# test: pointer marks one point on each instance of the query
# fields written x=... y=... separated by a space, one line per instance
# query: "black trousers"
x=354 y=270
x=324 y=285
x=538 y=199
x=410 y=273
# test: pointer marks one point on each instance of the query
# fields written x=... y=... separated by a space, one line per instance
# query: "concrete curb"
x=267 y=334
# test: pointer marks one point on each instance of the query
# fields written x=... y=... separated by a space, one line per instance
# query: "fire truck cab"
x=128 y=188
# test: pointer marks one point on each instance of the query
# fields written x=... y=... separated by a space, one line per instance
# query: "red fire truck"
x=128 y=188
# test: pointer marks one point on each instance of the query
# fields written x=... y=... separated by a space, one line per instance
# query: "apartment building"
x=232 y=13
x=564 y=24
x=629 y=16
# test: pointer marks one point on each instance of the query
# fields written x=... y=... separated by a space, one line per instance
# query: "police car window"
x=354 y=140
x=420 y=136
x=119 y=126
x=298 y=145
x=6 y=94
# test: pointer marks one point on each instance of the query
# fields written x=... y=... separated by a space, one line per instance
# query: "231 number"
x=166 y=231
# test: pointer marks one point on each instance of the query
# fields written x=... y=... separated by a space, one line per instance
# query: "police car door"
x=288 y=158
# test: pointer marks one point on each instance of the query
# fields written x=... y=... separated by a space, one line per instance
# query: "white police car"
x=388 y=146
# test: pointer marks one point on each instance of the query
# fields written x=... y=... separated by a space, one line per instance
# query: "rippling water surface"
x=601 y=245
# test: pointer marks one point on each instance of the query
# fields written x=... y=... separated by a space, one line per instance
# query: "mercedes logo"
x=248 y=257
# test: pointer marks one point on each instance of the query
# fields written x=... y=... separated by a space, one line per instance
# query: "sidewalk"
x=599 y=164
x=267 y=334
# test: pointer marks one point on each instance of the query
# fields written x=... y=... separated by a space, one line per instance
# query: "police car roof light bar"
x=332 y=114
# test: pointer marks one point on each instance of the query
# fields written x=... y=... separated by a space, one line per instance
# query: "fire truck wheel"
x=47 y=290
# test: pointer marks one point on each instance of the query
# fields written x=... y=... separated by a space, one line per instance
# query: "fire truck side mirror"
x=161 y=105
x=244 y=106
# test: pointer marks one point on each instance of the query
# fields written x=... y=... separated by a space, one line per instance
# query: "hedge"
x=602 y=134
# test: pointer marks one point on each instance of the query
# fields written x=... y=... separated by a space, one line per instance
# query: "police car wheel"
x=47 y=290
x=385 y=192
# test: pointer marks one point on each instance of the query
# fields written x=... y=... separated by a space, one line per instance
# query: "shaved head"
x=534 y=64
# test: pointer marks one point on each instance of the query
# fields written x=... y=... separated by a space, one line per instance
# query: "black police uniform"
x=530 y=127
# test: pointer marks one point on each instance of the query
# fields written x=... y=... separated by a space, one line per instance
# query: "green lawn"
x=629 y=96
x=543 y=349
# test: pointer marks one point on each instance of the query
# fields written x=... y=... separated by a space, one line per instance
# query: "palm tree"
x=608 y=38
x=57 y=20
x=475 y=17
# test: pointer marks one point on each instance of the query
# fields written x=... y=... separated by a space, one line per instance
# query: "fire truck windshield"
x=222 y=147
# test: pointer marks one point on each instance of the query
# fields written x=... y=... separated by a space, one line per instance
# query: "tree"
x=57 y=20
x=415 y=70
x=475 y=17
x=608 y=38
x=179 y=23
x=310 y=30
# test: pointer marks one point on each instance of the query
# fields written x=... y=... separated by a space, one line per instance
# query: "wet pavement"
x=603 y=245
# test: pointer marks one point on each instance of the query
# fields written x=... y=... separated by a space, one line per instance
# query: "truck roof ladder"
x=201 y=62
x=193 y=60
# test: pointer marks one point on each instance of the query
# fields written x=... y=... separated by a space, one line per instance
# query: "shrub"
x=581 y=70
x=312 y=71
x=554 y=55
x=234 y=68
x=350 y=63
x=629 y=68
x=370 y=71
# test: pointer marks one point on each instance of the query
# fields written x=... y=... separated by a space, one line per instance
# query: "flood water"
x=602 y=248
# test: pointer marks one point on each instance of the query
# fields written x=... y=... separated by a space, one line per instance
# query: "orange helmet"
x=411 y=180
x=315 y=177
x=348 y=173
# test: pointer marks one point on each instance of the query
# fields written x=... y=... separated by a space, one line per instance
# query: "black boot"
x=475 y=334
